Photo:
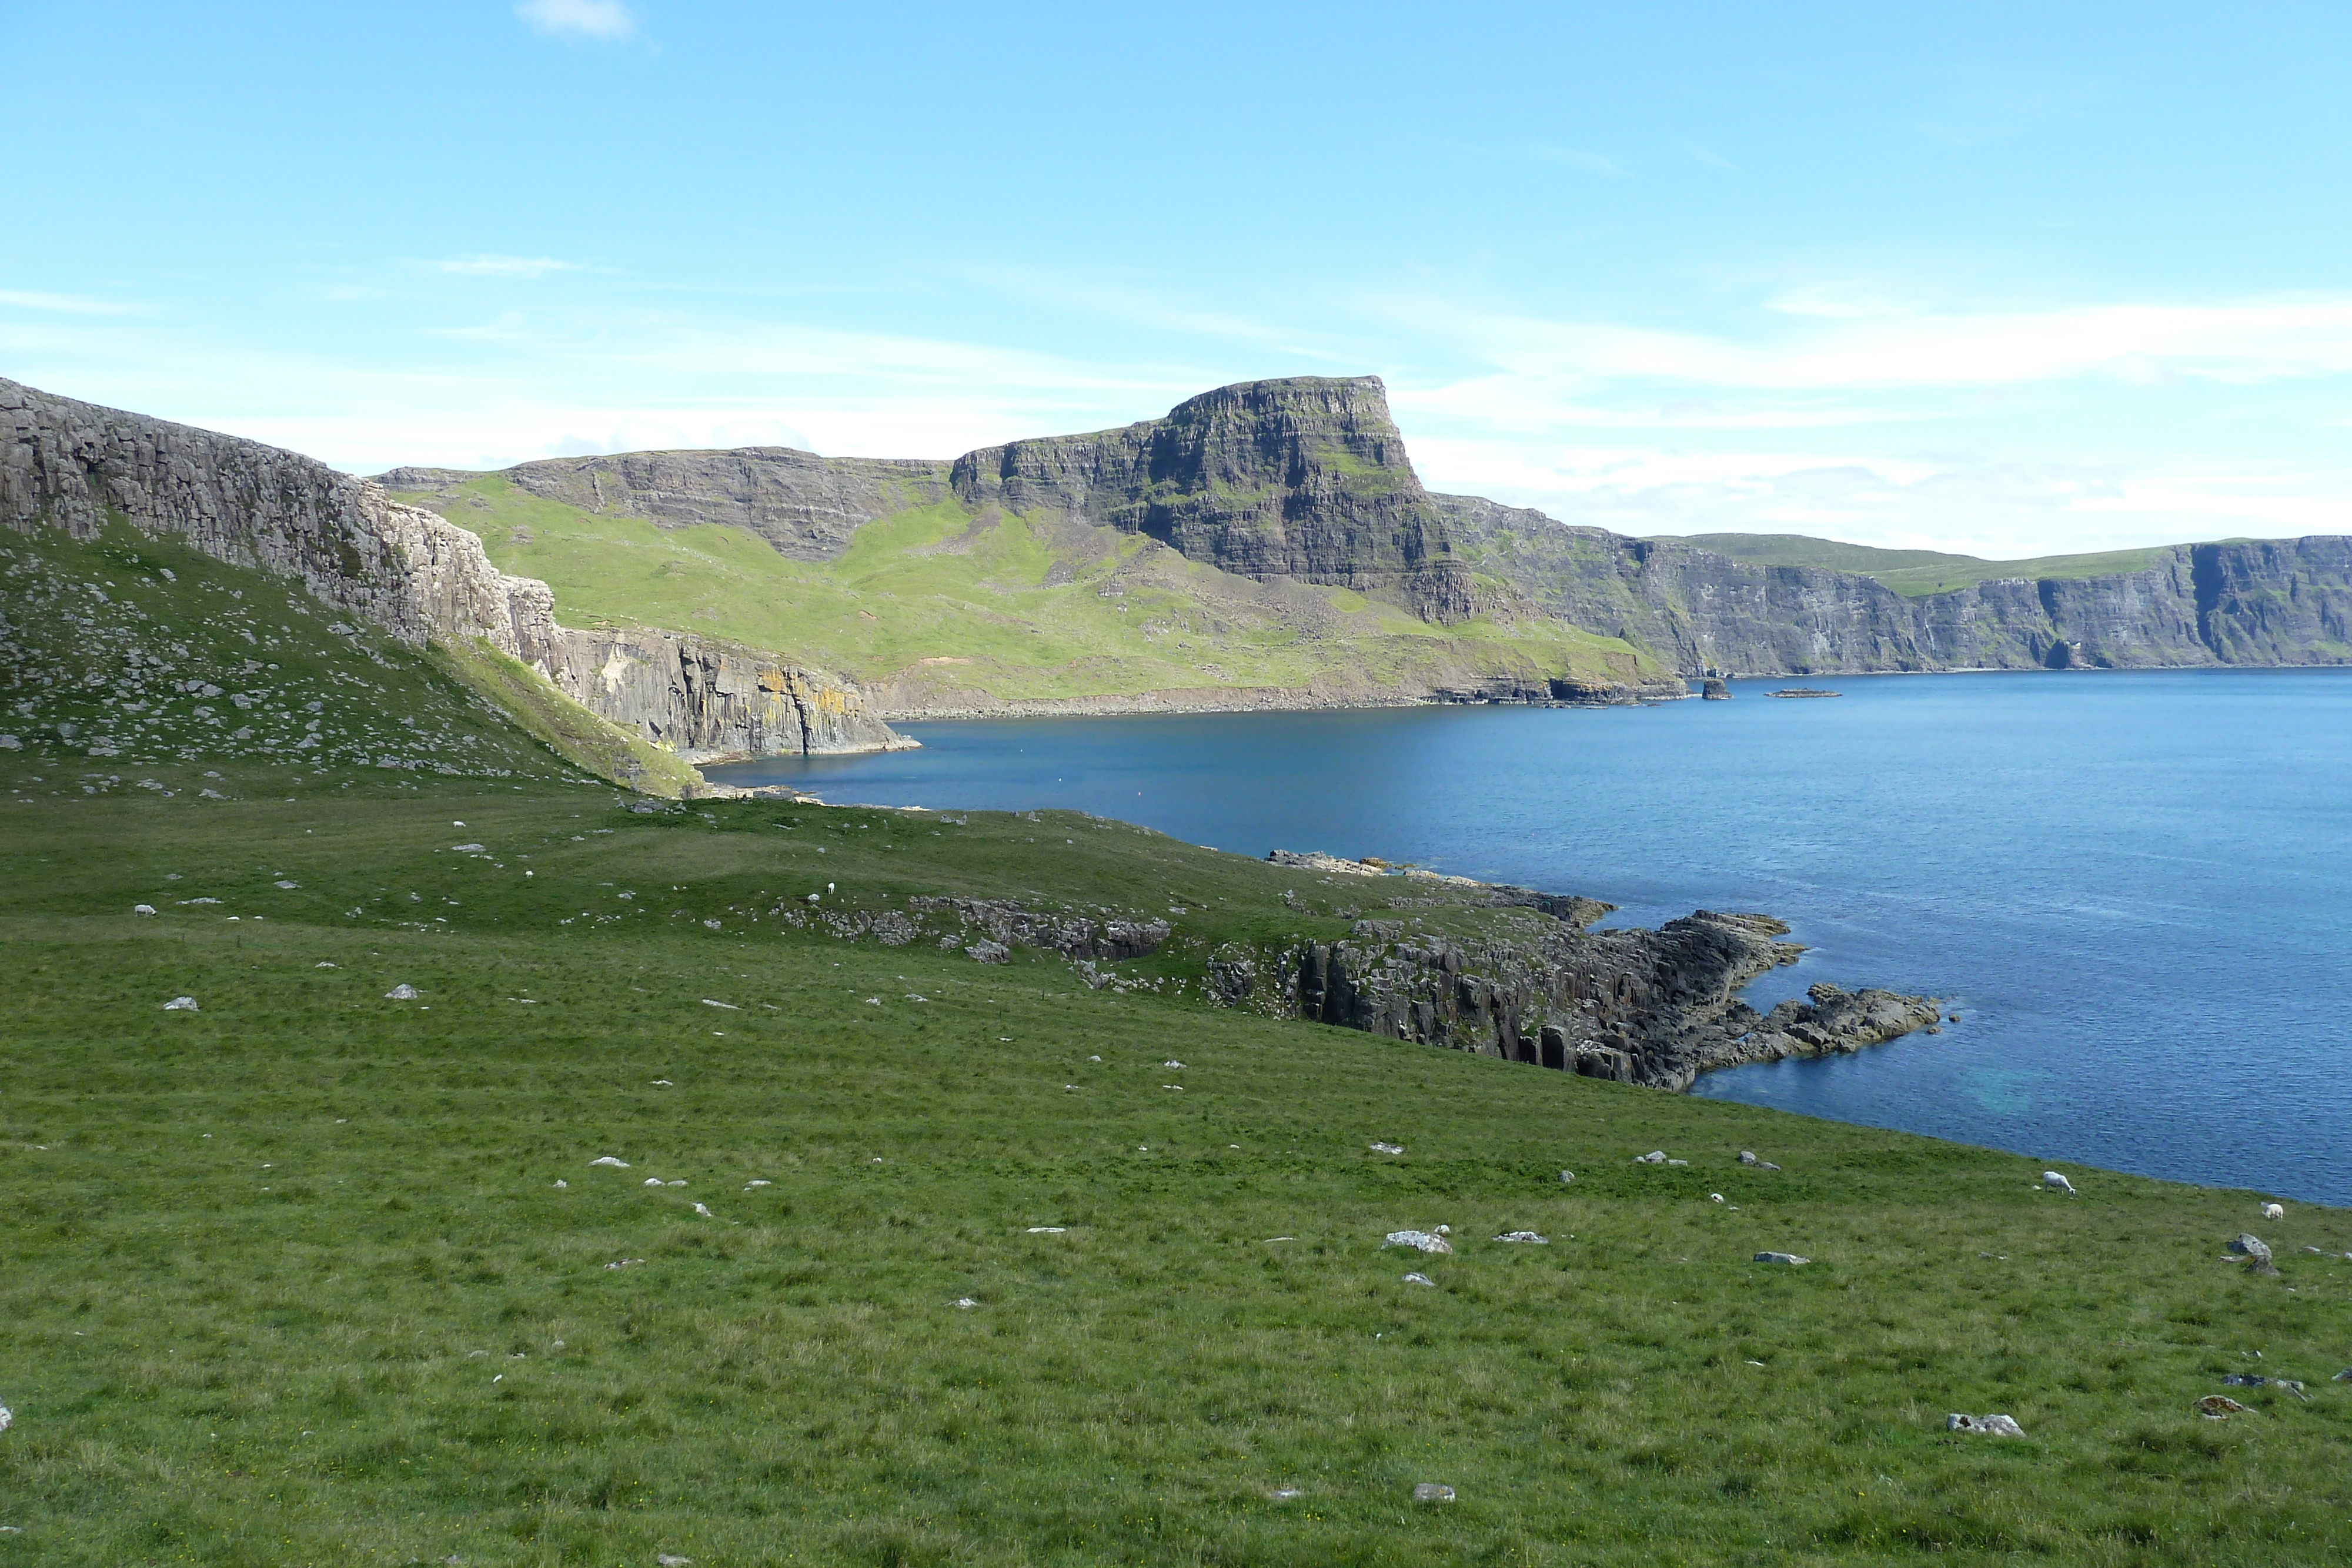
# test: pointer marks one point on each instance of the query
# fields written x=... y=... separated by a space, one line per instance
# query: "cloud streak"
x=522 y=266
x=608 y=19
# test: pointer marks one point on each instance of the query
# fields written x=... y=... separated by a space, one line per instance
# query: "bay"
x=2135 y=887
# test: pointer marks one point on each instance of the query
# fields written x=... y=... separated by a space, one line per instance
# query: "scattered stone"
x=2057 y=1183
x=704 y=1212
x=1284 y=1494
x=2343 y=1376
x=2274 y=1211
x=1747 y=1156
x=2219 y=1408
x=322 y=964
x=1788 y=1258
x=609 y=1160
x=663 y=1083
x=730 y=1006
x=2256 y=1252
x=668 y=1561
x=1526 y=1235
x=1419 y=1279
x=1422 y=1239
x=181 y=1005
x=1655 y=1157
x=2256 y=1380
x=757 y=1181
x=1566 y=1177
x=1715 y=1198
x=400 y=993
x=1984 y=1426
x=653 y=1181
x=625 y=1263
x=1432 y=1492
x=1178 y=1065
x=966 y=1301
x=561 y=1182
x=287 y=886
x=988 y=952
x=142 y=909
x=1386 y=1148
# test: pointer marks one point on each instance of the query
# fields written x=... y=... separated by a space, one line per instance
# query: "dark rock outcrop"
x=1656 y=1008
x=73 y=464
x=1304 y=478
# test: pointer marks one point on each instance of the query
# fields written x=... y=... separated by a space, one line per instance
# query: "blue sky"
x=2011 y=280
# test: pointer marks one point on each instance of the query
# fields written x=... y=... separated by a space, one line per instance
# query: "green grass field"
x=1914 y=574
x=940 y=606
x=291 y=1278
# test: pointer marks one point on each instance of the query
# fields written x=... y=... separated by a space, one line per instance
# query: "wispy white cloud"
x=579 y=18
x=1579 y=158
x=501 y=266
x=65 y=304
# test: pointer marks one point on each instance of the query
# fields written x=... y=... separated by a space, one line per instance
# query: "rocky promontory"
x=1537 y=985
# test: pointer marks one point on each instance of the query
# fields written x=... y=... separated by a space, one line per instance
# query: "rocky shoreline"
x=1656 y=1008
x=1557 y=693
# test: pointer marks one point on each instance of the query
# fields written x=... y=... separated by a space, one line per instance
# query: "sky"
x=2008 y=279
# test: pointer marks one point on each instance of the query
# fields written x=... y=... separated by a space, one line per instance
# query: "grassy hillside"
x=311 y=1275
x=1913 y=573
x=129 y=650
x=940 y=605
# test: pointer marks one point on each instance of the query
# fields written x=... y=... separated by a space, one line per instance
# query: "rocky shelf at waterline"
x=890 y=706
x=1537 y=984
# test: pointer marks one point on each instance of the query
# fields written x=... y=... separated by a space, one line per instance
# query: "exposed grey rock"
x=1747 y=1156
x=1526 y=1235
x=1432 y=1492
x=1984 y=1426
x=1566 y=1177
x=2258 y=1380
x=985 y=952
x=2256 y=1252
x=1074 y=936
x=404 y=992
x=180 y=1005
x=411 y=572
x=618 y=1164
x=1655 y=1157
x=1419 y=1279
x=1421 y=1241
x=2219 y=1408
x=1386 y=1148
x=1788 y=1258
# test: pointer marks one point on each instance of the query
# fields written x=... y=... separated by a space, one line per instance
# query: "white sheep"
x=2057 y=1183
x=2274 y=1211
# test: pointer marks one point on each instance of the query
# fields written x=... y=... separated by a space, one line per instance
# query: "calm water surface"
x=2137 y=888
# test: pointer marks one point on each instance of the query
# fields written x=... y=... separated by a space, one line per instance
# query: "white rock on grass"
x=1386 y=1148
x=1984 y=1426
x=403 y=992
x=1420 y=1239
x=1432 y=1492
x=1526 y=1235
x=1788 y=1258
x=1655 y=1157
x=1715 y=1198
x=181 y=1005
x=1048 y=1229
x=704 y=1212
x=609 y=1160
x=966 y=1302
x=653 y=1181
x=669 y=1560
x=1419 y=1279
x=757 y=1181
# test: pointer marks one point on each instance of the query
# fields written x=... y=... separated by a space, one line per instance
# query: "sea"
x=2134 y=887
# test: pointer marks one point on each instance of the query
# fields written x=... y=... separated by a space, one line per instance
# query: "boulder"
x=181 y=1005
x=1984 y=1426
x=400 y=993
x=1432 y=1492
x=1420 y=1239
x=1788 y=1258
x=2256 y=1252
x=2219 y=1408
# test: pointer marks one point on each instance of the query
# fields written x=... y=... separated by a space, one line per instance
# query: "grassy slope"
x=101 y=636
x=1119 y=618
x=1913 y=573
x=291 y=1280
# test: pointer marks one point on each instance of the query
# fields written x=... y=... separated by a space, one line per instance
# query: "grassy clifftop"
x=940 y=605
x=1915 y=573
x=313 y=1274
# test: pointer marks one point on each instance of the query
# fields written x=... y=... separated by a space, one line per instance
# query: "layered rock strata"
x=74 y=465
x=1656 y=1008
x=2275 y=601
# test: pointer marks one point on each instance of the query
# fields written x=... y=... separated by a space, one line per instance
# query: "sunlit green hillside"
x=942 y=608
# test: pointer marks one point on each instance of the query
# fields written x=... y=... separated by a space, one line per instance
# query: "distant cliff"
x=1304 y=478
x=68 y=464
x=2285 y=601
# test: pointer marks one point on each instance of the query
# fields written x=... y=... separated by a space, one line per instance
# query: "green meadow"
x=953 y=607
x=311 y=1275
x=1917 y=573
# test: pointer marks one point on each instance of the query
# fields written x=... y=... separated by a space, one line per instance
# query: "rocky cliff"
x=70 y=465
x=2252 y=602
x=1303 y=479
x=1657 y=1008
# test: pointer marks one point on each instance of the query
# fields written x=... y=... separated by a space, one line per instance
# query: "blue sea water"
x=2135 y=888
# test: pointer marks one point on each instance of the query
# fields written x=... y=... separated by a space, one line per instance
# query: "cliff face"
x=2259 y=603
x=806 y=506
x=1304 y=478
x=68 y=463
